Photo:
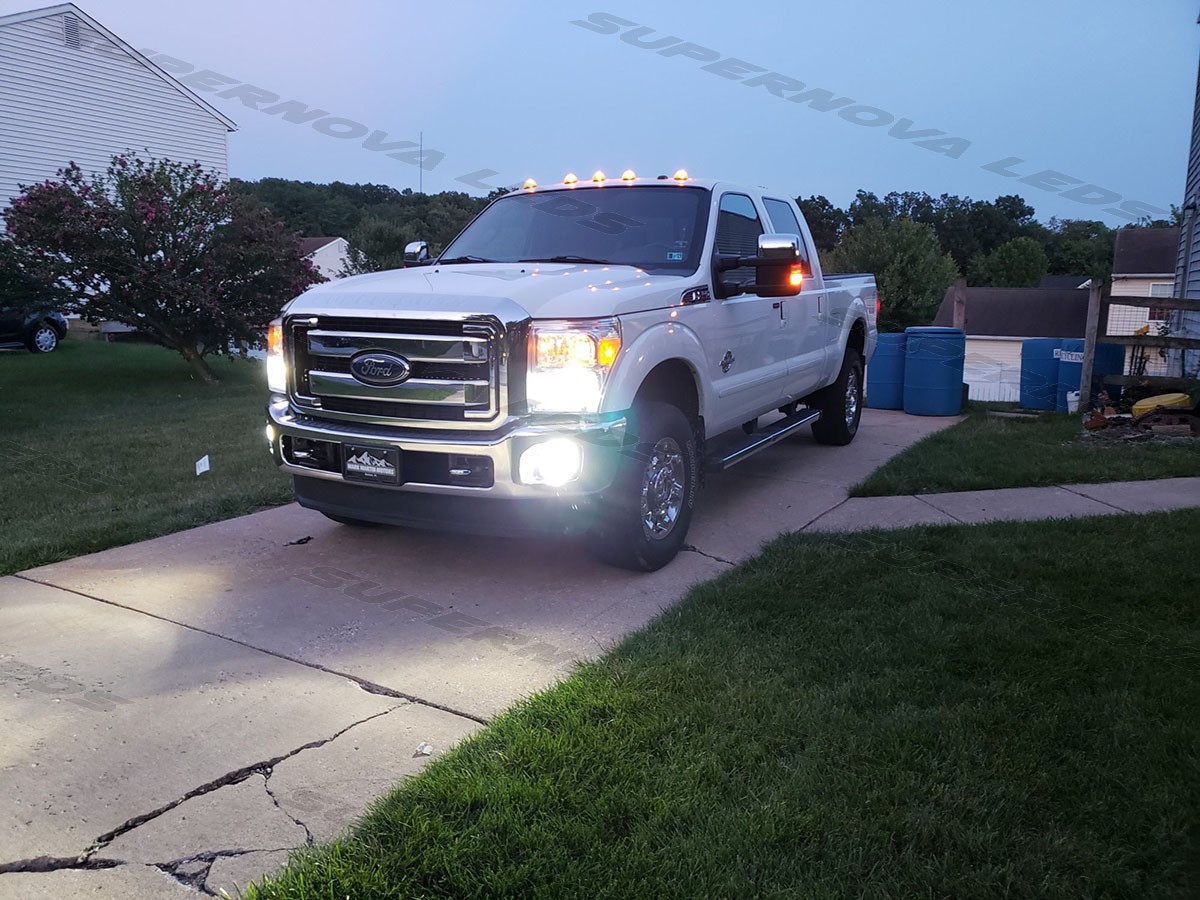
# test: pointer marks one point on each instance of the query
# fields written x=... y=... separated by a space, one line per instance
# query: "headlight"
x=276 y=365
x=569 y=362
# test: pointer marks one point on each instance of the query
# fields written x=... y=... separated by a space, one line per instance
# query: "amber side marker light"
x=275 y=338
x=796 y=278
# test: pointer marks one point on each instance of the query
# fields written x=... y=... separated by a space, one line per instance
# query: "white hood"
x=509 y=291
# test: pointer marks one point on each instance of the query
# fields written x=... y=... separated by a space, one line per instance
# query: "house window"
x=71 y=31
x=1161 y=289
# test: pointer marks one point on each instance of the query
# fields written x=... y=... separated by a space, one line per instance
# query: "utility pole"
x=421 y=166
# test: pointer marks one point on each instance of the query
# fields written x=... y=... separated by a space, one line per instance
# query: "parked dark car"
x=40 y=332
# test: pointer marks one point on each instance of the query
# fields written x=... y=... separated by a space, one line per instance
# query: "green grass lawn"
x=984 y=452
x=98 y=445
x=1007 y=710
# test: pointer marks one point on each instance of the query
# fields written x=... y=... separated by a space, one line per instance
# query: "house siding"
x=1128 y=319
x=61 y=103
x=1187 y=272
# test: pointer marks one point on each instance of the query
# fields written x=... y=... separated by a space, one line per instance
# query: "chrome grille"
x=454 y=377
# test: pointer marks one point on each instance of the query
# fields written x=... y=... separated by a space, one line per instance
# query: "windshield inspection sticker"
x=675 y=256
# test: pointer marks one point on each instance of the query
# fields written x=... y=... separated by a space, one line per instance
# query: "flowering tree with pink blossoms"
x=164 y=247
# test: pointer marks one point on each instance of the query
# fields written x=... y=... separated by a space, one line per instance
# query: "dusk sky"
x=1098 y=93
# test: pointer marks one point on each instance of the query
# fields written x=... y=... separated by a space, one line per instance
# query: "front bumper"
x=492 y=458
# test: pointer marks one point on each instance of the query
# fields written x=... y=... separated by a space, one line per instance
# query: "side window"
x=784 y=221
x=738 y=228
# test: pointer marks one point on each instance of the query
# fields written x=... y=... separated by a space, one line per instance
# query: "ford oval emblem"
x=379 y=369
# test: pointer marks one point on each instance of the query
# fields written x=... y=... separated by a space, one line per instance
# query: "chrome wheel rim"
x=662 y=489
x=851 y=397
x=45 y=339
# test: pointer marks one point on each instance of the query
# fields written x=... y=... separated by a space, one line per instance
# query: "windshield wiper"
x=567 y=259
x=454 y=260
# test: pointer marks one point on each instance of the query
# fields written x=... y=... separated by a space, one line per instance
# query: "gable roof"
x=1146 y=251
x=63 y=8
x=1020 y=312
x=310 y=245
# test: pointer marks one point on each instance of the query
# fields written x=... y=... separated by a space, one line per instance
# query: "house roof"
x=71 y=8
x=1020 y=312
x=1065 y=281
x=1146 y=251
x=310 y=245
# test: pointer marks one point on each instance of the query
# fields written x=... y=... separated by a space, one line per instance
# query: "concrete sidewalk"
x=1010 y=505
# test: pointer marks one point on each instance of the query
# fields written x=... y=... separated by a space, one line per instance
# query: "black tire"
x=43 y=338
x=346 y=520
x=840 y=403
x=659 y=473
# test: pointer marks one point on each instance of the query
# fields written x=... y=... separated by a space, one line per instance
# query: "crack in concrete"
x=193 y=871
x=939 y=509
x=58 y=863
x=235 y=777
x=308 y=836
x=822 y=515
x=369 y=686
x=690 y=548
x=1112 y=506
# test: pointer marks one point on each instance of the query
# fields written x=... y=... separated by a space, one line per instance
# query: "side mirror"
x=416 y=253
x=779 y=272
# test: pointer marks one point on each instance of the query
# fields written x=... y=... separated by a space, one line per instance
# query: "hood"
x=509 y=291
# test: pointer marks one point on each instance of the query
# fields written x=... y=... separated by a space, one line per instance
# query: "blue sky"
x=1098 y=92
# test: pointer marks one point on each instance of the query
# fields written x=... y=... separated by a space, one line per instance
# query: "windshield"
x=653 y=227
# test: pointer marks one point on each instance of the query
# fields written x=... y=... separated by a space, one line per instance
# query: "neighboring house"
x=328 y=255
x=71 y=90
x=999 y=319
x=1143 y=266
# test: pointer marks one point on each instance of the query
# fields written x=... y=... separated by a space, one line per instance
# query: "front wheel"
x=645 y=514
x=840 y=403
x=43 y=339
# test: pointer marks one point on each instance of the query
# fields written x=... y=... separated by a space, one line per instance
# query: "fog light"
x=554 y=462
x=271 y=434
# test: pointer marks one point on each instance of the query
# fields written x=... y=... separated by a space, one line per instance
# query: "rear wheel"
x=43 y=339
x=646 y=513
x=840 y=403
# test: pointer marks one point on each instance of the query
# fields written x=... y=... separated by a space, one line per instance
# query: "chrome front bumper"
x=600 y=440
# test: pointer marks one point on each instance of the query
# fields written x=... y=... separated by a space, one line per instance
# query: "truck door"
x=747 y=344
x=805 y=314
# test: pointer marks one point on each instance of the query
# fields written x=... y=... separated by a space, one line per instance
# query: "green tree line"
x=916 y=244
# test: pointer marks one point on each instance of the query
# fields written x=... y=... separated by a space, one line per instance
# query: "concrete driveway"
x=185 y=710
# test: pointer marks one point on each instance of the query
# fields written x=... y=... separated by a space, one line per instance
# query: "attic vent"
x=71 y=31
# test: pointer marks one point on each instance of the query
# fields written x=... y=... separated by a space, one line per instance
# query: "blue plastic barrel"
x=1108 y=360
x=933 y=371
x=1039 y=373
x=885 y=374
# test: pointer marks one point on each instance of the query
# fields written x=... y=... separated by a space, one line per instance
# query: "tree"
x=1020 y=262
x=163 y=247
x=910 y=268
x=825 y=221
x=21 y=288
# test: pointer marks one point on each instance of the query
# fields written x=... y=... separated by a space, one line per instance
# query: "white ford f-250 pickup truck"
x=574 y=361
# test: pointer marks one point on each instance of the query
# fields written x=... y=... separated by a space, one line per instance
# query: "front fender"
x=657 y=344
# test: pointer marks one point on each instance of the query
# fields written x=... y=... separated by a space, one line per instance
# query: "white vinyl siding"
x=992 y=368
x=60 y=104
